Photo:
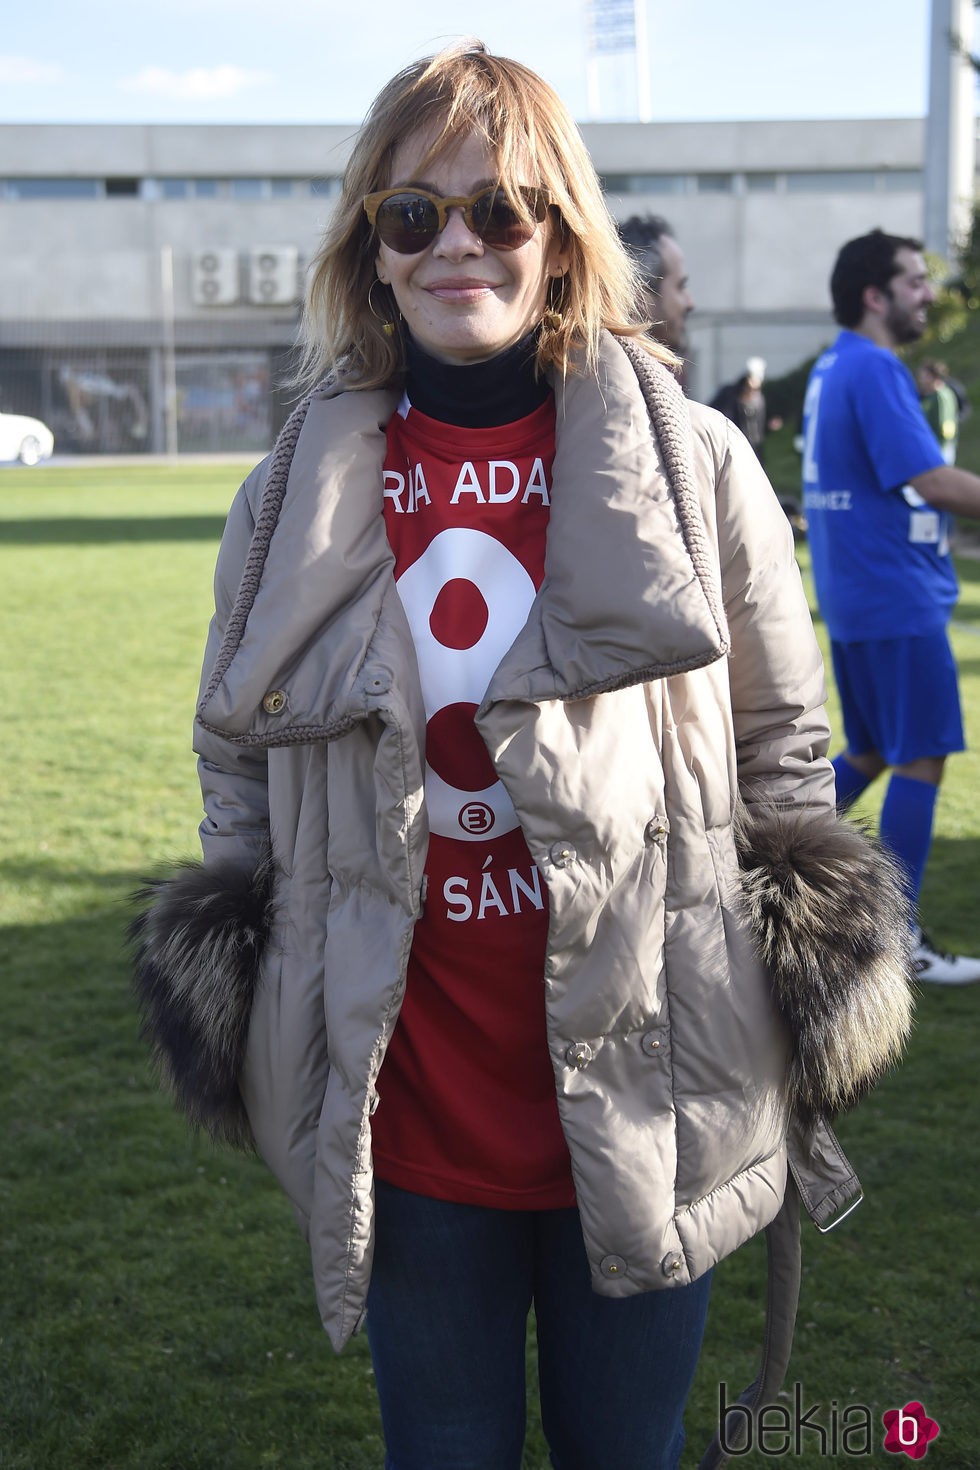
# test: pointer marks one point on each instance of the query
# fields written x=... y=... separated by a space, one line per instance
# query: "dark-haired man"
x=651 y=241
x=877 y=495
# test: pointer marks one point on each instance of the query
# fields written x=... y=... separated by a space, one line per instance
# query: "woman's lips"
x=461 y=290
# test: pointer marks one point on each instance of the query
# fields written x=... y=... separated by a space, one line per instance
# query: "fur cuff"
x=199 y=940
x=831 y=922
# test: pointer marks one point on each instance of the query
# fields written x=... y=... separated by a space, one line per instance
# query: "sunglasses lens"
x=407 y=223
x=499 y=225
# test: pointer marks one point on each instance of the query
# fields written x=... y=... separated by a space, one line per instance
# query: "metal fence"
x=156 y=388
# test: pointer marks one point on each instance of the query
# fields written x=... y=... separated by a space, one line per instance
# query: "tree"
x=958 y=45
x=968 y=278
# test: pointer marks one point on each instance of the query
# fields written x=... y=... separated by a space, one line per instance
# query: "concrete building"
x=152 y=274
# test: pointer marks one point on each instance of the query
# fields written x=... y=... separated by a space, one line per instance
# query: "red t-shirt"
x=467 y=1094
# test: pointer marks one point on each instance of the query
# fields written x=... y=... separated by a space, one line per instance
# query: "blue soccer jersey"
x=881 y=561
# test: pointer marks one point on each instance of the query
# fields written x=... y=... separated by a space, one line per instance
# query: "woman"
x=505 y=637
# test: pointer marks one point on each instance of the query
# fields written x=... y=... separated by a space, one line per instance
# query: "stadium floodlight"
x=617 y=28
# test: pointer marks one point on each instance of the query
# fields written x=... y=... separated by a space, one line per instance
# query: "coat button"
x=562 y=854
x=274 y=702
x=579 y=1054
x=653 y=1044
x=613 y=1266
x=672 y=1263
x=656 y=829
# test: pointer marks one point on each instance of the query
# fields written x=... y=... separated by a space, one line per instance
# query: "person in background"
x=878 y=495
x=652 y=244
x=745 y=404
x=939 y=404
x=467 y=958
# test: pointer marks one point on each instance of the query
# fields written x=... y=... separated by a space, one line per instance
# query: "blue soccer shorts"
x=899 y=697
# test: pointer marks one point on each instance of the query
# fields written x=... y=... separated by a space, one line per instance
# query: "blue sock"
x=850 y=782
x=906 y=827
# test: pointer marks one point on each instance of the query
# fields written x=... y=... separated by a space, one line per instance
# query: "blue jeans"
x=450 y=1293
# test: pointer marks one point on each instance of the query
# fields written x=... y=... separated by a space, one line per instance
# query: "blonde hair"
x=464 y=89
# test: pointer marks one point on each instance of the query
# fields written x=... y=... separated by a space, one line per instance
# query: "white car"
x=24 y=439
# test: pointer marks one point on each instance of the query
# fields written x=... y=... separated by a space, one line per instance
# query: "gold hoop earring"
x=387 y=325
x=552 y=316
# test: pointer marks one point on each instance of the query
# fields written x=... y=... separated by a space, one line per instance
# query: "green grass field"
x=156 y=1311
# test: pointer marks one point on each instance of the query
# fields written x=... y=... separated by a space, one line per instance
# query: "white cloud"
x=200 y=84
x=27 y=71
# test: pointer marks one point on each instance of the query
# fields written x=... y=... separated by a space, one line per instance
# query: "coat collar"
x=630 y=590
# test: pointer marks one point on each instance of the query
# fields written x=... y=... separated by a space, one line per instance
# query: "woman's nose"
x=457 y=238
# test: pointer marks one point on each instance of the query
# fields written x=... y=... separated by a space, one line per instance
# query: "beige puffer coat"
x=667 y=679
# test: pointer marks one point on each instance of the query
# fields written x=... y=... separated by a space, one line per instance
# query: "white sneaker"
x=933 y=968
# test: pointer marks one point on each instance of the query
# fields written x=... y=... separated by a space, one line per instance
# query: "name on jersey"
x=503 y=894
x=827 y=500
x=486 y=482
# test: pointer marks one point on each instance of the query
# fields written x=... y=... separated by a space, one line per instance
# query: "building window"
x=242 y=188
x=714 y=183
x=324 y=188
x=247 y=188
x=831 y=181
x=122 y=188
x=761 y=183
x=54 y=188
x=646 y=183
x=898 y=179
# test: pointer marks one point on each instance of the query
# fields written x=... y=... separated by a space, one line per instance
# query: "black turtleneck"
x=477 y=395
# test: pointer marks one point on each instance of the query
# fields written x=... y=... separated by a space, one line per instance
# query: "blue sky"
x=323 y=61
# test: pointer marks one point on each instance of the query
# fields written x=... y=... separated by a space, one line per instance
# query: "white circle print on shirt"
x=463 y=568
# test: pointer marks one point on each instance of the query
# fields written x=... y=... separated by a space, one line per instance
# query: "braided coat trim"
x=671 y=424
x=273 y=494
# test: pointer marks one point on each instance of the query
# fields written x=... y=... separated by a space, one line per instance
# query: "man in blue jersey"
x=877 y=495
